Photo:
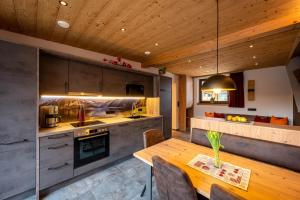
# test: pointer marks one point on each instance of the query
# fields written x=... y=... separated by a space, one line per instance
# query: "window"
x=206 y=97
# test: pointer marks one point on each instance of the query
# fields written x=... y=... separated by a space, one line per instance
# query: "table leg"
x=149 y=183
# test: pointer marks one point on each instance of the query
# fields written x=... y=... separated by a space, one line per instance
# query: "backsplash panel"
x=69 y=108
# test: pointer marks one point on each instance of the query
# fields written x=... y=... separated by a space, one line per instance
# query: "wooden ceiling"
x=184 y=30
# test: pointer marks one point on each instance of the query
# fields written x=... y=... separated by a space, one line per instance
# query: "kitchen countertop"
x=67 y=127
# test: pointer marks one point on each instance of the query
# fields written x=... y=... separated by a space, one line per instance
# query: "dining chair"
x=151 y=137
x=172 y=183
x=219 y=193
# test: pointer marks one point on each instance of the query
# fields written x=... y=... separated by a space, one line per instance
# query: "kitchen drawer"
x=56 y=153
x=17 y=170
x=56 y=139
x=54 y=174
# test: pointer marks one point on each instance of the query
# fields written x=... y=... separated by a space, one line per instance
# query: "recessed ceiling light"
x=63 y=24
x=256 y=63
x=63 y=3
x=147 y=53
x=156 y=44
x=123 y=29
x=254 y=57
x=189 y=60
x=251 y=46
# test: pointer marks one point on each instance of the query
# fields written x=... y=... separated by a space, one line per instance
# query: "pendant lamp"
x=218 y=82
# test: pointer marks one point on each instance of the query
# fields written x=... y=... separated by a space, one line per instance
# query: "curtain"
x=236 y=97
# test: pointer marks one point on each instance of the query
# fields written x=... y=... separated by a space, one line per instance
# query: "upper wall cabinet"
x=115 y=81
x=62 y=76
x=53 y=74
x=84 y=77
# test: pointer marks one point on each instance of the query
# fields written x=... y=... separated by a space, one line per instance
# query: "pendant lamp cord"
x=217 y=36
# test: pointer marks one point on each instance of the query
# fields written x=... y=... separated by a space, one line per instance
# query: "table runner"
x=229 y=173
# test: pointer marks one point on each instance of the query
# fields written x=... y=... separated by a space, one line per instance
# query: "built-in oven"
x=90 y=145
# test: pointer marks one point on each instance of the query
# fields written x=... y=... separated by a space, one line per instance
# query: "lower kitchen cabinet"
x=56 y=159
x=17 y=170
x=57 y=151
x=125 y=139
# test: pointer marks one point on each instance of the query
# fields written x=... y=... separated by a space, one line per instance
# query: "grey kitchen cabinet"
x=53 y=74
x=56 y=159
x=125 y=139
x=18 y=121
x=115 y=81
x=165 y=95
x=84 y=77
x=122 y=141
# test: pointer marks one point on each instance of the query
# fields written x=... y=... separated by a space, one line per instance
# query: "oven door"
x=90 y=148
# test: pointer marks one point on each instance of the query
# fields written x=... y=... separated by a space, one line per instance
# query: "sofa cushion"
x=282 y=155
x=279 y=121
x=262 y=119
x=219 y=115
x=209 y=114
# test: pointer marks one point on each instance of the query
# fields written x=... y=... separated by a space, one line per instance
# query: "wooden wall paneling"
x=182 y=102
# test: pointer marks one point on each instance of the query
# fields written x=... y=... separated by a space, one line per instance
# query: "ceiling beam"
x=261 y=30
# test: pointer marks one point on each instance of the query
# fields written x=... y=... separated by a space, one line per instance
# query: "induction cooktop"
x=86 y=123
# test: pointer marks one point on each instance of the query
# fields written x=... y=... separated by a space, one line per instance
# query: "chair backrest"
x=152 y=137
x=282 y=155
x=219 y=193
x=172 y=183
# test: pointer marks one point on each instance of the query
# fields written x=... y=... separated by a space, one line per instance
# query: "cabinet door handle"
x=59 y=147
x=121 y=125
x=58 y=136
x=15 y=142
x=58 y=167
x=66 y=87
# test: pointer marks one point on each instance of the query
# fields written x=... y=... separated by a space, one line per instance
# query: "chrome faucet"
x=132 y=108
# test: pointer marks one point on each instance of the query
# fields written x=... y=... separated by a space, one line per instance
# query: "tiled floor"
x=123 y=181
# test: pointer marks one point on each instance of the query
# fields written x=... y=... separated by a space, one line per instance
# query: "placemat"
x=229 y=173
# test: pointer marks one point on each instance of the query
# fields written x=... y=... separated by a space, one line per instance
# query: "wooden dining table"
x=266 y=181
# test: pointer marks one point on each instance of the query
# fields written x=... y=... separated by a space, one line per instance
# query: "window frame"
x=200 y=101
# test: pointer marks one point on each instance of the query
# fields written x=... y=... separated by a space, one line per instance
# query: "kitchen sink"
x=136 y=117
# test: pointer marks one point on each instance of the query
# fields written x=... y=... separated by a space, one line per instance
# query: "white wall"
x=273 y=95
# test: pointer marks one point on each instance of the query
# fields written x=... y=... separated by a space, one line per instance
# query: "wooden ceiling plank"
x=85 y=20
x=8 y=16
x=110 y=10
x=69 y=14
x=46 y=17
x=240 y=55
x=169 y=21
x=26 y=16
x=227 y=40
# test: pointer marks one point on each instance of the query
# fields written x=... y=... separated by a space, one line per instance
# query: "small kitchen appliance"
x=49 y=116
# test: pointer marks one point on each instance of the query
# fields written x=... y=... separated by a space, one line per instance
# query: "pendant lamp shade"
x=218 y=82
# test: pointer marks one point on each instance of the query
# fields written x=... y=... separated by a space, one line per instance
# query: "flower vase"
x=217 y=162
